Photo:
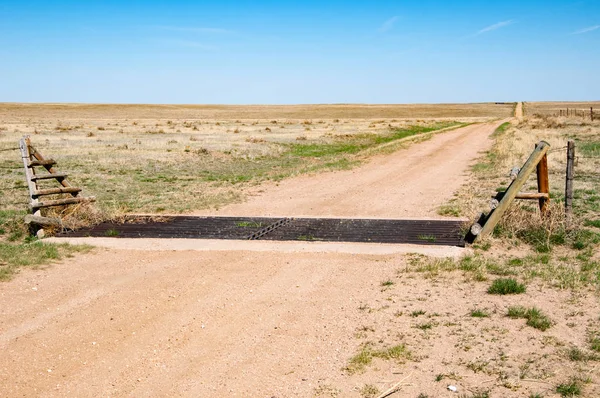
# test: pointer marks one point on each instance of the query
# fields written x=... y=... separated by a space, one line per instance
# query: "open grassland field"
x=98 y=112
x=554 y=108
x=181 y=158
x=518 y=315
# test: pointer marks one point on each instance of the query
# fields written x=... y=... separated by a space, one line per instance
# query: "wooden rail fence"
x=33 y=160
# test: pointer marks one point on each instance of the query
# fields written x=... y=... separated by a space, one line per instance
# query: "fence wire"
x=553 y=150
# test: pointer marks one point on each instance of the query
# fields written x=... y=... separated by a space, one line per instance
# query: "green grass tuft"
x=535 y=318
x=477 y=313
x=506 y=286
x=570 y=389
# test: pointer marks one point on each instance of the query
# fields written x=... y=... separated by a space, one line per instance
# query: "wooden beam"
x=49 y=176
x=62 y=202
x=533 y=195
x=47 y=162
x=513 y=189
x=43 y=221
x=523 y=195
x=55 y=191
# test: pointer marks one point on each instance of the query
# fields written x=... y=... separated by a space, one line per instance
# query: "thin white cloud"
x=388 y=25
x=586 y=30
x=495 y=26
x=194 y=29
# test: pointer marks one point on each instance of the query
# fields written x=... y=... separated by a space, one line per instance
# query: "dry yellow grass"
x=553 y=108
x=177 y=158
x=99 y=112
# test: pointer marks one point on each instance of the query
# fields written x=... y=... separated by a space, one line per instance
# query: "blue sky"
x=277 y=52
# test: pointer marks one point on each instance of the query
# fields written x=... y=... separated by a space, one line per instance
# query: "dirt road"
x=407 y=184
x=149 y=323
x=519 y=113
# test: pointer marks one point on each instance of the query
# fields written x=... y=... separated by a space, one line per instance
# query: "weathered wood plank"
x=43 y=221
x=524 y=195
x=533 y=195
x=46 y=162
x=55 y=191
x=62 y=202
x=49 y=176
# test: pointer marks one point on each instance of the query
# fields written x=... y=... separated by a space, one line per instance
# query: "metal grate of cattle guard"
x=422 y=232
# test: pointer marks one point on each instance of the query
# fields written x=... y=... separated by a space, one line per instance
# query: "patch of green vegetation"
x=589 y=148
x=541 y=239
x=450 y=210
x=576 y=354
x=367 y=352
x=12 y=227
x=427 y=238
x=387 y=283
x=584 y=238
x=417 y=313
x=478 y=313
x=505 y=286
x=425 y=326
x=33 y=254
x=360 y=142
x=306 y=238
x=595 y=343
x=501 y=129
x=535 y=318
x=569 y=389
x=369 y=391
x=248 y=224
x=477 y=366
x=592 y=223
x=112 y=233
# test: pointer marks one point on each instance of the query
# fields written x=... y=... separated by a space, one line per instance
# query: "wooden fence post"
x=569 y=182
x=592 y=113
x=543 y=183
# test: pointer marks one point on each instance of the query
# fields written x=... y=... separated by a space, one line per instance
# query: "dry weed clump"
x=77 y=216
x=527 y=223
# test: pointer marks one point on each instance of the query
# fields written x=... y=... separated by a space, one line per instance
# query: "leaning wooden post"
x=494 y=217
x=26 y=157
x=569 y=182
x=543 y=183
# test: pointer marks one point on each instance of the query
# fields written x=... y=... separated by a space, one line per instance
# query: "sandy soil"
x=274 y=324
